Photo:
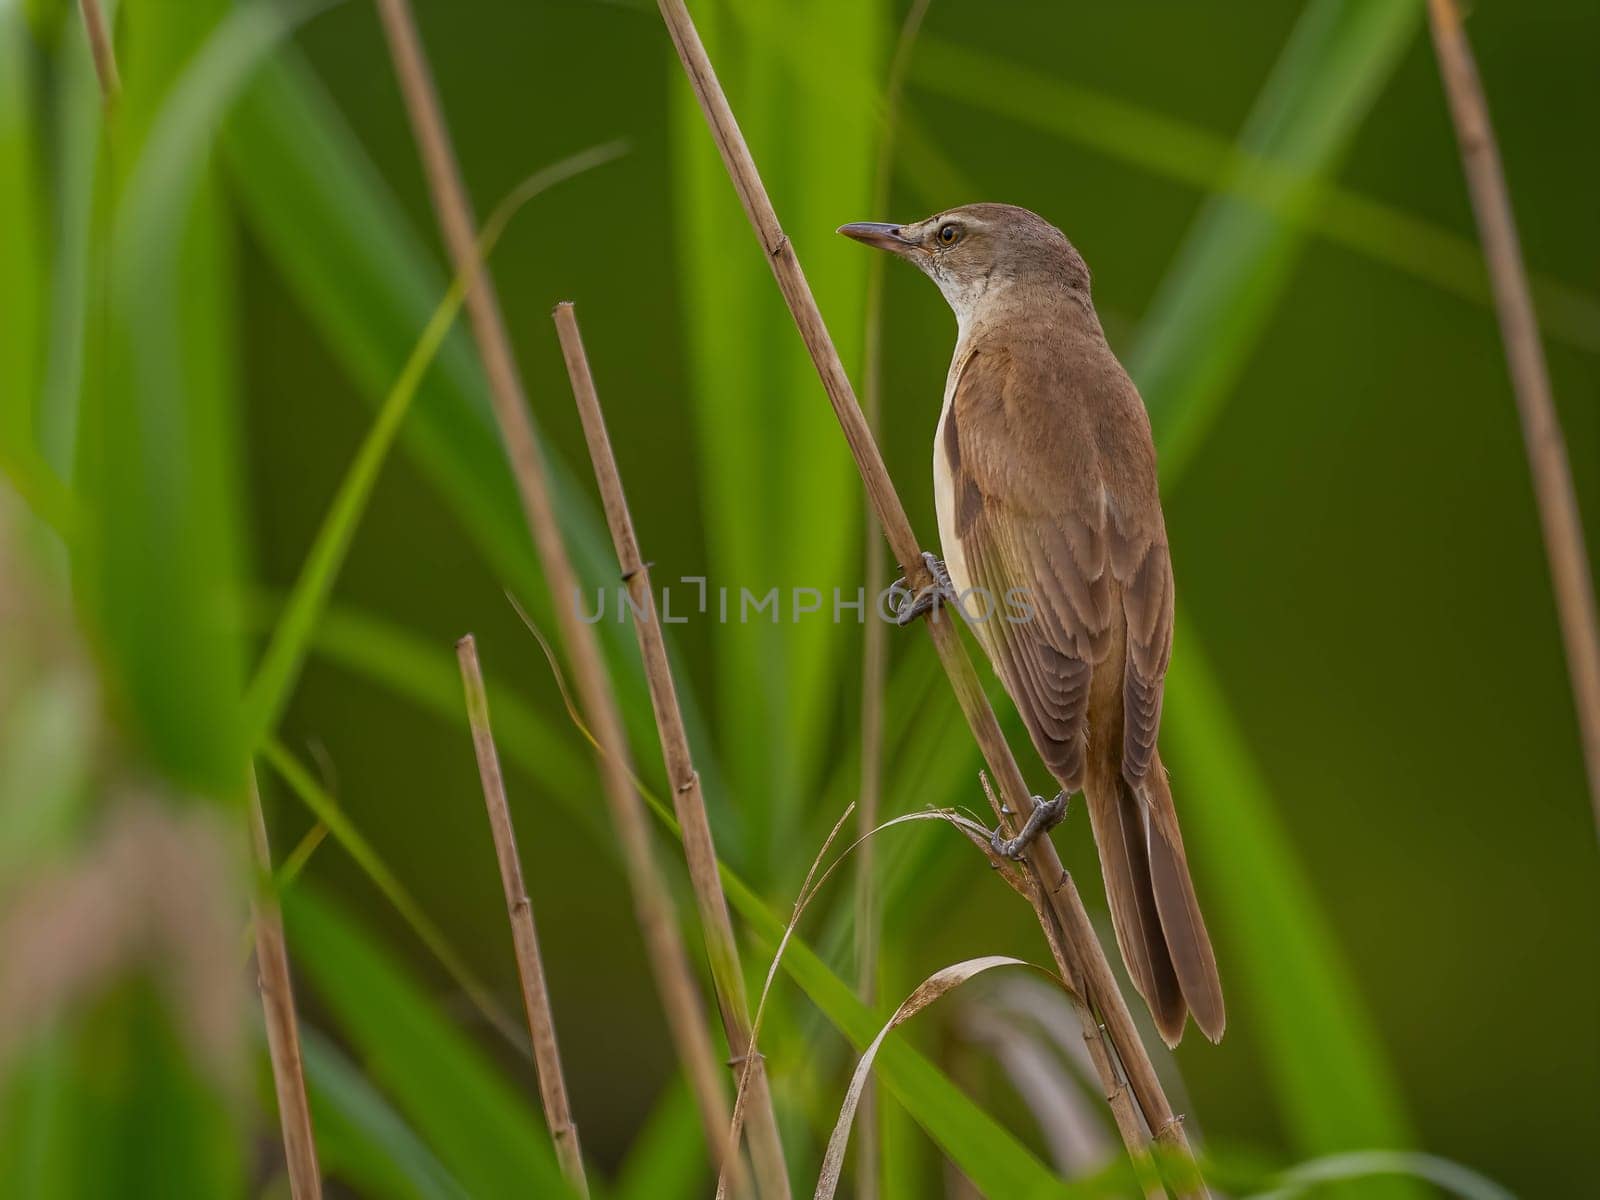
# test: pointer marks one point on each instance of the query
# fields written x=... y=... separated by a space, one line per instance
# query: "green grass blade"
x=36 y=1093
x=361 y=1140
x=483 y=1131
x=162 y=559
x=22 y=197
x=780 y=502
x=1219 y=293
x=1333 y=1087
x=280 y=665
x=24 y=200
x=1175 y=149
x=116 y=1076
x=80 y=234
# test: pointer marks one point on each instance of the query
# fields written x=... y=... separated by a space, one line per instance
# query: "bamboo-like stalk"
x=1085 y=961
x=524 y=933
x=1114 y=1086
x=875 y=643
x=101 y=50
x=727 y=972
x=652 y=901
x=277 y=1003
x=1530 y=379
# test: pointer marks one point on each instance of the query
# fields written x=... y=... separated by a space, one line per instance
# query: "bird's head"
x=976 y=251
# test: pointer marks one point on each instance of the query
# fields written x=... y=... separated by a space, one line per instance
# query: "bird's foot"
x=1046 y=815
x=910 y=606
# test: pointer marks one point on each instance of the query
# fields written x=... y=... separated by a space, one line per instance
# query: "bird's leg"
x=1046 y=815
x=913 y=606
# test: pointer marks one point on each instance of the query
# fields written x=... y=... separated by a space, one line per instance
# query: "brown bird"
x=1055 y=546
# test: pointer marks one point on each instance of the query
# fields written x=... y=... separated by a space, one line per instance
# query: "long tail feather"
x=1120 y=835
x=1188 y=943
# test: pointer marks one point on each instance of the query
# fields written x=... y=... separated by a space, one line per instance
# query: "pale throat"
x=968 y=295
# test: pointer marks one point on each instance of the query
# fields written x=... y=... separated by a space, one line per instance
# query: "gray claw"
x=1046 y=815
x=930 y=597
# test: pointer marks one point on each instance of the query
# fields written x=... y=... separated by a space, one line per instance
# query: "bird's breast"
x=944 y=489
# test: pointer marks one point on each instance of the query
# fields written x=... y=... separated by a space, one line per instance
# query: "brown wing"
x=1056 y=496
x=1143 y=568
x=1031 y=519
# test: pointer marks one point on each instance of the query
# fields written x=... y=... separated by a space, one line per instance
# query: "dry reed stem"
x=101 y=50
x=1113 y=1082
x=1061 y=892
x=875 y=643
x=653 y=905
x=277 y=1003
x=1530 y=379
x=727 y=972
x=524 y=933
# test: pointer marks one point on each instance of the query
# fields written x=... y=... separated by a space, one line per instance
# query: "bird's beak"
x=876 y=233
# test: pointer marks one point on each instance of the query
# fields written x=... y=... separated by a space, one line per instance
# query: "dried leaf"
x=934 y=986
x=975 y=832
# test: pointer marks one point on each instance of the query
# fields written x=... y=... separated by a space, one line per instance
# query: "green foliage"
x=984 y=1150
x=161 y=559
x=356 y=845
x=1333 y=1084
x=482 y=1128
x=285 y=652
x=360 y=1138
x=117 y=1078
x=21 y=269
x=139 y=315
x=667 y=1161
x=157 y=565
x=280 y=665
x=1334 y=1088
x=426 y=675
x=1264 y=171
x=335 y=234
x=780 y=498
x=81 y=212
x=1192 y=344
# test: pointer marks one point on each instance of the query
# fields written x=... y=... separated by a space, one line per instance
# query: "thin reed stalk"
x=1081 y=956
x=524 y=933
x=277 y=1003
x=101 y=51
x=875 y=643
x=653 y=904
x=1530 y=378
x=1114 y=1085
x=727 y=972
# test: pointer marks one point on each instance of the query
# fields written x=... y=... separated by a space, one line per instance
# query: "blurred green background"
x=1369 y=724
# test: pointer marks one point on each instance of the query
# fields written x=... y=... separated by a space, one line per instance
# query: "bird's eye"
x=948 y=235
